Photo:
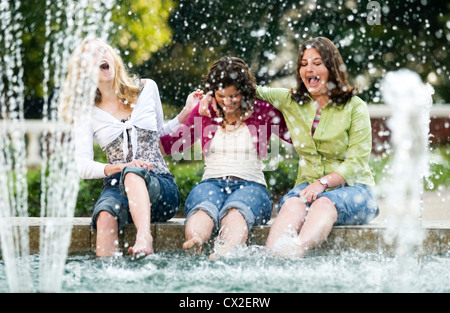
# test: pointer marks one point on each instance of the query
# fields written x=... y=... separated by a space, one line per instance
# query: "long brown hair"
x=339 y=89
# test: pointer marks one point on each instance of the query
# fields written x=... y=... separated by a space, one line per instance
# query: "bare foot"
x=143 y=245
x=221 y=250
x=193 y=244
x=288 y=248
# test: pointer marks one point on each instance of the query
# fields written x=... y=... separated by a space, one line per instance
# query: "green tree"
x=204 y=31
x=139 y=28
x=175 y=41
x=266 y=34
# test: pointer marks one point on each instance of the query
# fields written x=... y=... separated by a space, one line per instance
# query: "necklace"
x=237 y=122
x=225 y=123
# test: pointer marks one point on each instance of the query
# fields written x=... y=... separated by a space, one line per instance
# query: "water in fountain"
x=58 y=175
x=410 y=101
x=174 y=272
x=13 y=197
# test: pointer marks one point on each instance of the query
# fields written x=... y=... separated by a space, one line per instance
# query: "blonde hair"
x=80 y=86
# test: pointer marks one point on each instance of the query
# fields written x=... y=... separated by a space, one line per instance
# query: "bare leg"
x=107 y=238
x=289 y=220
x=318 y=225
x=234 y=233
x=197 y=231
x=139 y=203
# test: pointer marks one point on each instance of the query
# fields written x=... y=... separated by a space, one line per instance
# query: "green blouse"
x=342 y=142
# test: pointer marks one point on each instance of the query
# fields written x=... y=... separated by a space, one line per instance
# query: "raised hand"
x=191 y=102
x=207 y=100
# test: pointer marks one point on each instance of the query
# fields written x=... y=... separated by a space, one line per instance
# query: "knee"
x=326 y=206
x=323 y=202
x=131 y=178
x=233 y=214
x=106 y=221
x=293 y=206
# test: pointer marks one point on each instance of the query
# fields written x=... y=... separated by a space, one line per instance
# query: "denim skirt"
x=162 y=189
x=356 y=205
x=217 y=196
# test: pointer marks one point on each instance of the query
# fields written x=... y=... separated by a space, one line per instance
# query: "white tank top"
x=234 y=154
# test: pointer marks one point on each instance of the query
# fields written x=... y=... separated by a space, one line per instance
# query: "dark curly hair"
x=342 y=91
x=232 y=71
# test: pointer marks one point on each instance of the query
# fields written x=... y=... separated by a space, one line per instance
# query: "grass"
x=439 y=169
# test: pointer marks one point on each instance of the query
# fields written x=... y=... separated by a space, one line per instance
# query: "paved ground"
x=436 y=206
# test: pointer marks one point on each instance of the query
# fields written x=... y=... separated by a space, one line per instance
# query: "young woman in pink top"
x=232 y=196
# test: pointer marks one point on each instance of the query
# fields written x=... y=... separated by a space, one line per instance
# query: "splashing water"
x=410 y=101
x=253 y=272
x=250 y=270
x=59 y=179
x=13 y=194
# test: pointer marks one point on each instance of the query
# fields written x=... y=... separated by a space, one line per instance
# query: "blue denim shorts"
x=162 y=189
x=356 y=205
x=217 y=196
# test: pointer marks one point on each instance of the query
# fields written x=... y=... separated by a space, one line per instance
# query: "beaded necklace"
x=237 y=122
x=225 y=123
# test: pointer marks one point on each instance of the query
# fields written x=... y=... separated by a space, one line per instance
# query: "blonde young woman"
x=126 y=119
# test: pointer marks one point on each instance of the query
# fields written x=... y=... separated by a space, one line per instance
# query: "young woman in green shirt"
x=331 y=132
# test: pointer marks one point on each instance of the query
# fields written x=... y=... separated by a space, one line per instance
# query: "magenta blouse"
x=265 y=121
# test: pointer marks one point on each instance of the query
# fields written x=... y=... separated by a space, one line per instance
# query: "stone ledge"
x=384 y=111
x=170 y=236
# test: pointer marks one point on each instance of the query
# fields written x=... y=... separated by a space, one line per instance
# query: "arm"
x=278 y=120
x=111 y=169
x=182 y=138
x=278 y=97
x=165 y=129
x=84 y=153
x=359 y=144
x=311 y=192
x=191 y=102
x=207 y=102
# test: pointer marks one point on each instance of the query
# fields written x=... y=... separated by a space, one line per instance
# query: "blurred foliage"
x=438 y=177
x=138 y=28
x=266 y=34
x=174 y=42
x=141 y=28
x=204 y=31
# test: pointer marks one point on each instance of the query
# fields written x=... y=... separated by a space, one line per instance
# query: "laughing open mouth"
x=313 y=80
